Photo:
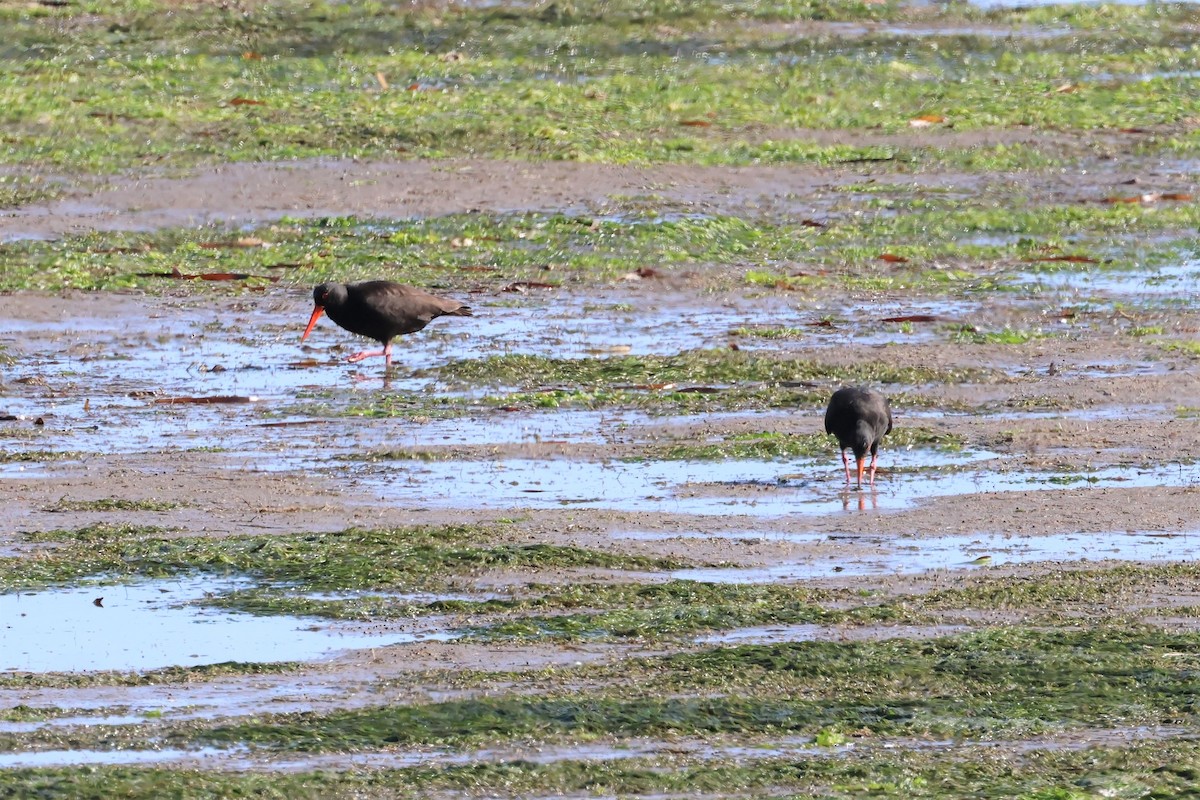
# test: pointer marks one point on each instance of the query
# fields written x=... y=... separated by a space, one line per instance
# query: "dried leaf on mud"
x=643 y=387
x=913 y=318
x=234 y=276
x=1067 y=259
x=524 y=286
x=892 y=258
x=1151 y=197
x=641 y=273
x=142 y=248
x=242 y=242
x=926 y=120
x=207 y=276
x=208 y=400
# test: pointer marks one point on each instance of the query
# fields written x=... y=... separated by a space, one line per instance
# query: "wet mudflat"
x=593 y=540
x=307 y=428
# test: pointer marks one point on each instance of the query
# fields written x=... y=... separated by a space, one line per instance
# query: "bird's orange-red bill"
x=862 y=463
x=312 y=322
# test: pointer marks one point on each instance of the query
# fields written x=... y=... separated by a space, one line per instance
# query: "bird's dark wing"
x=398 y=301
x=840 y=412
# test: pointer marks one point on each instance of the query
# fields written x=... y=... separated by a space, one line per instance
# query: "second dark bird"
x=859 y=418
x=380 y=310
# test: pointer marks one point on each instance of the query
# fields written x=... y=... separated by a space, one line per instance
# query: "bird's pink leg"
x=874 y=458
x=387 y=356
x=354 y=359
x=846 y=465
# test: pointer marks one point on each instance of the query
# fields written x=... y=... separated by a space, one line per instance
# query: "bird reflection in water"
x=862 y=497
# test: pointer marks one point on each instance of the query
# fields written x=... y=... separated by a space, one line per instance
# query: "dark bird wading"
x=380 y=310
x=859 y=418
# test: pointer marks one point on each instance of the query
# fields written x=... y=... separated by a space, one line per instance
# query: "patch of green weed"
x=395 y=558
x=37 y=456
x=704 y=367
x=969 y=335
x=770 y=445
x=768 y=332
x=206 y=672
x=1166 y=769
x=95 y=533
x=1191 y=348
x=112 y=504
x=986 y=684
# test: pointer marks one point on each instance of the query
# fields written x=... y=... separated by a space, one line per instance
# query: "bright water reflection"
x=153 y=624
